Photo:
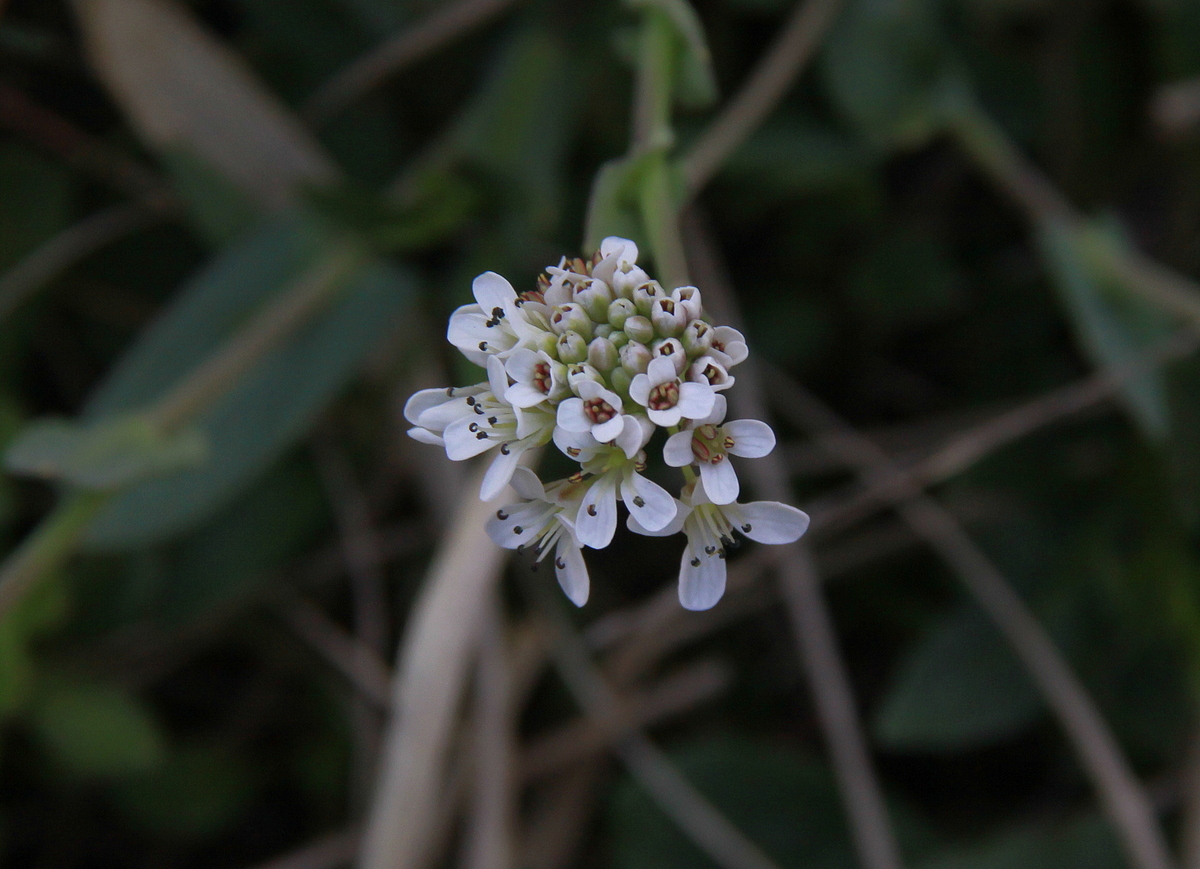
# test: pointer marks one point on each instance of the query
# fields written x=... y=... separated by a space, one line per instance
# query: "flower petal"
x=579 y=446
x=571 y=416
x=423 y=400
x=493 y=291
x=701 y=579
x=524 y=395
x=677 y=451
x=657 y=507
x=660 y=370
x=717 y=415
x=497 y=377
x=571 y=571
x=752 y=438
x=529 y=518
x=769 y=521
x=425 y=436
x=462 y=443
x=637 y=431
x=639 y=389
x=608 y=431
x=666 y=418
x=696 y=400
x=682 y=511
x=499 y=472
x=521 y=364
x=597 y=519
x=720 y=482
x=526 y=484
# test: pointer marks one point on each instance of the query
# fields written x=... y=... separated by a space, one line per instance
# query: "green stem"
x=52 y=543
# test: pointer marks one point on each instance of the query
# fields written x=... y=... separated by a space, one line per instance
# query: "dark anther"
x=560 y=564
x=520 y=548
x=721 y=554
x=639 y=502
x=504 y=449
x=746 y=528
x=709 y=550
x=517 y=529
x=450 y=392
x=501 y=515
x=591 y=511
x=483 y=346
x=479 y=409
x=492 y=420
x=473 y=427
x=695 y=562
x=481 y=436
x=498 y=313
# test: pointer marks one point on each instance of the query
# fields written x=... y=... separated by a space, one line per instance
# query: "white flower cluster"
x=596 y=358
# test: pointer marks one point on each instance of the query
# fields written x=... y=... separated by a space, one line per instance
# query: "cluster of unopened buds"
x=597 y=358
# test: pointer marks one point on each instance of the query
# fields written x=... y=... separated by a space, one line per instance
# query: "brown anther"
x=574 y=452
x=576 y=477
x=560 y=564
x=598 y=410
x=695 y=562
x=501 y=515
x=541 y=377
x=591 y=509
x=664 y=396
x=638 y=501
x=728 y=442
x=667 y=305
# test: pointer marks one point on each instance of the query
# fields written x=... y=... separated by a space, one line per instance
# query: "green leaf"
x=886 y=66
x=614 y=207
x=197 y=793
x=797 y=155
x=1085 y=843
x=960 y=688
x=36 y=201
x=1114 y=327
x=92 y=729
x=218 y=209
x=107 y=455
x=695 y=81
x=269 y=408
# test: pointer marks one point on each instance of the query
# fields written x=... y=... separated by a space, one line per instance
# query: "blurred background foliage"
x=167 y=169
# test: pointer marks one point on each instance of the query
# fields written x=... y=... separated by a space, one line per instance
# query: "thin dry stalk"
x=765 y=87
x=438 y=28
x=1122 y=797
x=1175 y=109
x=58 y=254
x=357 y=663
x=491 y=824
x=558 y=819
x=571 y=742
x=695 y=816
x=1190 y=839
x=433 y=664
x=811 y=622
x=970 y=446
x=329 y=852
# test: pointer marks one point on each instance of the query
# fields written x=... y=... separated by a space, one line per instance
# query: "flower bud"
x=602 y=355
x=583 y=371
x=668 y=318
x=689 y=298
x=619 y=339
x=697 y=338
x=635 y=357
x=646 y=294
x=639 y=328
x=625 y=278
x=594 y=299
x=571 y=318
x=619 y=311
x=710 y=371
x=547 y=342
x=572 y=348
x=619 y=379
x=671 y=349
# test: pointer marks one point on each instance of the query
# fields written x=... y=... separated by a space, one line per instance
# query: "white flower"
x=666 y=398
x=709 y=445
x=596 y=411
x=538 y=378
x=497 y=323
x=728 y=346
x=617 y=266
x=707 y=369
x=710 y=528
x=544 y=521
x=475 y=422
x=610 y=474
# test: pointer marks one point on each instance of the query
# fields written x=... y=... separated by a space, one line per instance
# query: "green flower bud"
x=635 y=357
x=619 y=380
x=602 y=355
x=645 y=295
x=583 y=371
x=619 y=311
x=595 y=298
x=639 y=329
x=571 y=318
x=572 y=348
x=697 y=338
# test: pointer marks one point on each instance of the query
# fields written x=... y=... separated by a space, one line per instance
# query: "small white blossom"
x=537 y=378
x=710 y=529
x=666 y=398
x=596 y=411
x=708 y=444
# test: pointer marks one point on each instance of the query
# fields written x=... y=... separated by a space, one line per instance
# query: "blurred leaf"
x=785 y=804
x=904 y=279
x=1086 y=843
x=109 y=454
x=695 y=82
x=613 y=208
x=960 y=688
x=43 y=608
x=796 y=155
x=886 y=65
x=183 y=89
x=96 y=730
x=198 y=792
x=36 y=201
x=1114 y=326
x=517 y=125
x=218 y=209
x=220 y=562
x=272 y=406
